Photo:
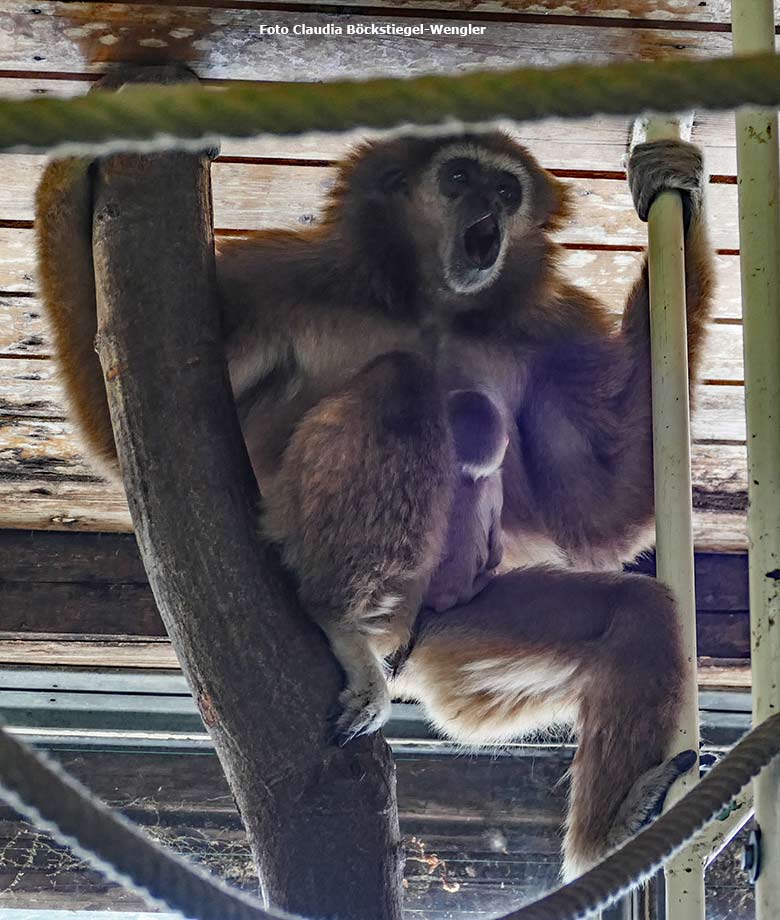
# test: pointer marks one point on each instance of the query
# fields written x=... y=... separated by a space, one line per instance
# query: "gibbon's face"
x=471 y=202
x=443 y=214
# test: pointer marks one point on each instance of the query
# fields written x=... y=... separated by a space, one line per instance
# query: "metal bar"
x=144 y=701
x=714 y=839
x=673 y=508
x=759 y=231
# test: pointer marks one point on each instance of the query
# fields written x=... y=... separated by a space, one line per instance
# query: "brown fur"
x=540 y=647
x=65 y=276
x=350 y=444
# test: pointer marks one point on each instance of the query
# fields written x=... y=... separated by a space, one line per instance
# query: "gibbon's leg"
x=359 y=508
x=540 y=647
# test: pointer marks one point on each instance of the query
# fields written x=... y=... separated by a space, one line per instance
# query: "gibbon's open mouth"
x=482 y=241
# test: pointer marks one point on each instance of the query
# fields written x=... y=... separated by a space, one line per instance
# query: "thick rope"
x=640 y=858
x=39 y=789
x=49 y=798
x=145 y=118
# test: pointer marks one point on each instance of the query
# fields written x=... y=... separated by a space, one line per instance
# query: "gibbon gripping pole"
x=672 y=470
x=759 y=236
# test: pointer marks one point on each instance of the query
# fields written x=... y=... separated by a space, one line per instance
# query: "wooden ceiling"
x=59 y=48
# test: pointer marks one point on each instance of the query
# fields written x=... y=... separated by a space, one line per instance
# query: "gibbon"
x=433 y=271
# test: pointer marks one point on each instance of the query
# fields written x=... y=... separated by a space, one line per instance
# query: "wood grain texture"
x=83 y=652
x=659 y=13
x=23 y=330
x=228 y=43
x=94 y=608
x=51 y=650
x=16 y=260
x=249 y=196
x=606 y=274
x=97 y=558
x=40 y=504
x=91 y=584
x=220 y=590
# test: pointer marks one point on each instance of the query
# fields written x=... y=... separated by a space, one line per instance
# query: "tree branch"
x=321 y=820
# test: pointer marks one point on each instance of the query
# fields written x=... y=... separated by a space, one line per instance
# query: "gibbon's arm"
x=63 y=225
x=586 y=423
x=267 y=282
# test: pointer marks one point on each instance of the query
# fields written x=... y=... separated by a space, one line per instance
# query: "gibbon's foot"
x=646 y=797
x=658 y=166
x=364 y=709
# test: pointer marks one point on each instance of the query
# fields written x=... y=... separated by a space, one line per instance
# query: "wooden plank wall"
x=60 y=48
x=83 y=600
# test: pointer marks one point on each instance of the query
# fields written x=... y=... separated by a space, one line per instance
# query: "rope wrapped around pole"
x=41 y=791
x=153 y=118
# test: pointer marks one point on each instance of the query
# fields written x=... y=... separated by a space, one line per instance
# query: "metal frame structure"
x=672 y=470
x=759 y=220
x=759 y=231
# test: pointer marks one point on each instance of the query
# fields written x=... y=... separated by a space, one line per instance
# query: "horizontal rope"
x=54 y=801
x=160 y=117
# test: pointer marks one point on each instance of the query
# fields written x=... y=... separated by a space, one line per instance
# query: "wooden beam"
x=225 y=43
x=47 y=650
x=665 y=14
x=219 y=588
x=90 y=584
x=90 y=505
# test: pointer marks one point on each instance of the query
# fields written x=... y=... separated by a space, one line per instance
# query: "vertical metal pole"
x=759 y=232
x=674 y=516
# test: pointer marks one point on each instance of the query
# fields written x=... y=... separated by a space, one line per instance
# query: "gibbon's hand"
x=660 y=166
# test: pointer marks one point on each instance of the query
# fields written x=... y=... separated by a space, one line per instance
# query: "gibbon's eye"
x=394 y=180
x=456 y=176
x=509 y=190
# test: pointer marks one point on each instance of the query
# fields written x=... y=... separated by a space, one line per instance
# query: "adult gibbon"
x=433 y=270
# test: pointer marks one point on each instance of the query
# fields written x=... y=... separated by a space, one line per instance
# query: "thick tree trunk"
x=321 y=820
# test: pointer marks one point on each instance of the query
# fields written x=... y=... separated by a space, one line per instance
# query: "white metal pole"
x=674 y=516
x=717 y=835
x=759 y=232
